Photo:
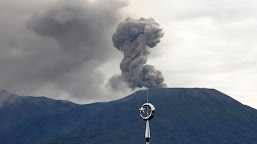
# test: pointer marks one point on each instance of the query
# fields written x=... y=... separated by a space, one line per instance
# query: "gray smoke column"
x=134 y=38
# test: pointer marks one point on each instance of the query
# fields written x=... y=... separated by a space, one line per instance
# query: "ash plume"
x=55 y=49
x=134 y=38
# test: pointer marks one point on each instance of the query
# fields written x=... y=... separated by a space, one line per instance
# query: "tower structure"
x=147 y=117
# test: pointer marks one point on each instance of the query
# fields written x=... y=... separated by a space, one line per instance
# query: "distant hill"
x=24 y=119
x=183 y=116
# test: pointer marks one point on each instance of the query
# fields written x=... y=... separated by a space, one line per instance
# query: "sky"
x=63 y=49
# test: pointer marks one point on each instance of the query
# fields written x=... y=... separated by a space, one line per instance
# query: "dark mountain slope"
x=21 y=115
x=200 y=116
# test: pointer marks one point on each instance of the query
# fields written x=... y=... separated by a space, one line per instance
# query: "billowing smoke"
x=134 y=38
x=54 y=48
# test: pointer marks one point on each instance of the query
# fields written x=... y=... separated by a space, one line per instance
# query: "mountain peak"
x=183 y=115
x=179 y=94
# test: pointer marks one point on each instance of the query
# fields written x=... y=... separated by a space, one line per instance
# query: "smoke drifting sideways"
x=55 y=49
x=134 y=37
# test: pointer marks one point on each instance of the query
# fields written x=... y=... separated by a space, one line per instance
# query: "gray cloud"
x=56 y=51
x=7 y=98
x=133 y=38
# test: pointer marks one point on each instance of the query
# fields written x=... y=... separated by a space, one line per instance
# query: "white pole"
x=147 y=128
x=147 y=132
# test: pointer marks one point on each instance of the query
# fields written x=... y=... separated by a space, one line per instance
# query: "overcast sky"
x=63 y=49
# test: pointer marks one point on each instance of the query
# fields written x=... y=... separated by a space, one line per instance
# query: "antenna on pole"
x=147 y=100
x=147 y=118
x=147 y=95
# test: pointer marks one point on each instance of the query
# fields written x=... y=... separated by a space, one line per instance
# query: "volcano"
x=183 y=115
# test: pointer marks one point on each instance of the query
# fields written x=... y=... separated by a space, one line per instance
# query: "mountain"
x=23 y=118
x=195 y=116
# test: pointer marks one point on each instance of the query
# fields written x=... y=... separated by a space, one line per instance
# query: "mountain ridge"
x=183 y=115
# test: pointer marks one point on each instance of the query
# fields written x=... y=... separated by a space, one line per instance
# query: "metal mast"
x=147 y=126
x=147 y=118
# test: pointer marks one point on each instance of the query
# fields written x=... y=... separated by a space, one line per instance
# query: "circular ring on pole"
x=152 y=112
